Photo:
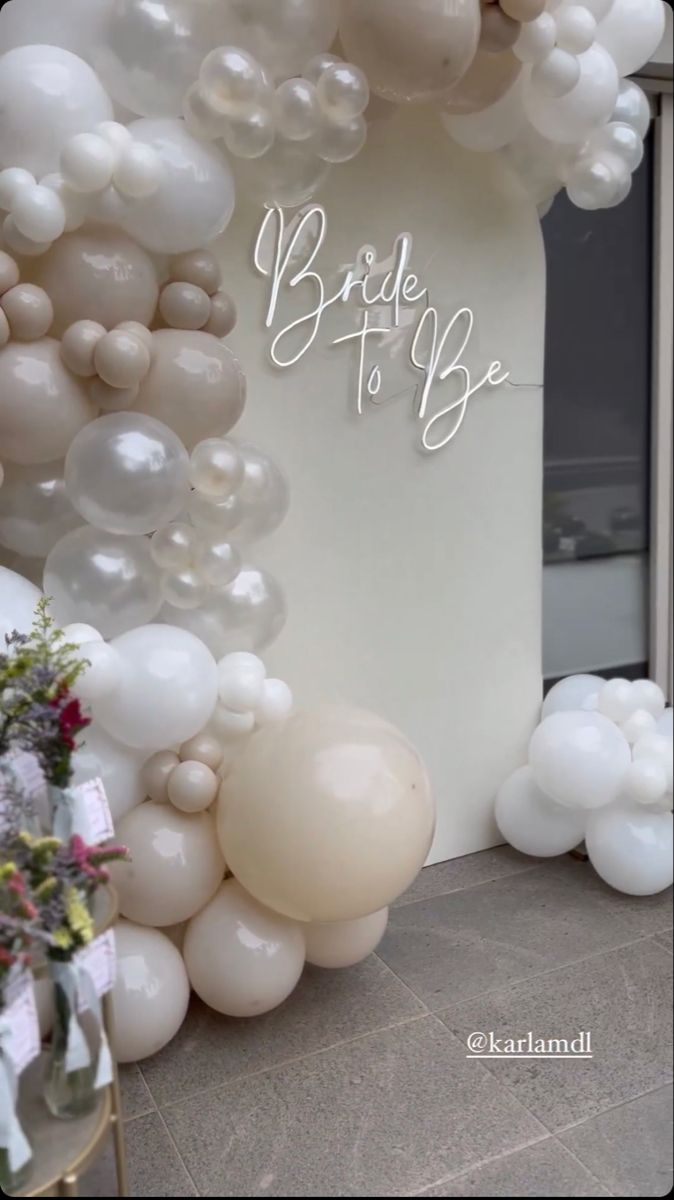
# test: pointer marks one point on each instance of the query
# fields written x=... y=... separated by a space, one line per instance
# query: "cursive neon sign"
x=436 y=352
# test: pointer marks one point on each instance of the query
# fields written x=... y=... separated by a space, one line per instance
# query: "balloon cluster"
x=600 y=768
x=193 y=297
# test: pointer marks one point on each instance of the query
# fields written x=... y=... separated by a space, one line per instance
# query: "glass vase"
x=69 y=1092
x=12 y=1178
x=11 y=1181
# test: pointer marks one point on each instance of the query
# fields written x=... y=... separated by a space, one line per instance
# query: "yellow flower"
x=62 y=938
x=79 y=917
x=7 y=870
x=46 y=889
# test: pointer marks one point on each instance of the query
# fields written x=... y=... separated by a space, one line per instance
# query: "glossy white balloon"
x=168 y=689
x=632 y=107
x=533 y=823
x=242 y=959
x=151 y=992
x=574 y=692
x=275 y=703
x=240 y=680
x=579 y=759
x=645 y=782
x=665 y=726
x=649 y=696
x=631 y=31
x=617 y=700
x=75 y=25
x=101 y=674
x=105 y=579
x=587 y=106
x=336 y=944
x=631 y=849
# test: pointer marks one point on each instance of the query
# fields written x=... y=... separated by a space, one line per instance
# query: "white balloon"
x=632 y=107
x=151 y=992
x=100 y=757
x=102 y=673
x=637 y=724
x=531 y=822
x=665 y=725
x=493 y=127
x=167 y=692
x=617 y=700
x=588 y=105
x=631 y=31
x=18 y=599
x=275 y=704
x=75 y=25
x=78 y=633
x=536 y=38
x=579 y=759
x=649 y=695
x=645 y=782
x=39 y=214
x=194 y=201
x=46 y=95
x=655 y=747
x=240 y=680
x=574 y=692
x=576 y=28
x=631 y=849
x=87 y=162
x=556 y=74
x=338 y=944
x=241 y=958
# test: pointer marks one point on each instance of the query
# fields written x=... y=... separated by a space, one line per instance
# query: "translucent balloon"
x=151 y=52
x=288 y=175
x=127 y=473
x=493 y=127
x=408 y=54
x=151 y=992
x=248 y=614
x=598 y=181
x=202 y=120
x=105 y=579
x=588 y=105
x=18 y=599
x=336 y=944
x=184 y=589
x=340 y=141
x=621 y=140
x=101 y=757
x=487 y=79
x=631 y=849
x=218 y=563
x=343 y=92
x=579 y=759
x=296 y=110
x=631 y=31
x=264 y=495
x=174 y=547
x=216 y=467
x=46 y=95
x=168 y=690
x=327 y=816
x=572 y=693
x=532 y=822
x=35 y=511
x=232 y=81
x=75 y=25
x=216 y=519
x=97 y=275
x=632 y=107
x=281 y=34
x=42 y=406
x=175 y=864
x=195 y=198
x=195 y=385
x=242 y=959
x=250 y=135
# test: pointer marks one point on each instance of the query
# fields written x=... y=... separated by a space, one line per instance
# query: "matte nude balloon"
x=42 y=405
x=337 y=944
x=97 y=275
x=194 y=385
x=176 y=865
x=242 y=959
x=410 y=51
x=151 y=992
x=327 y=816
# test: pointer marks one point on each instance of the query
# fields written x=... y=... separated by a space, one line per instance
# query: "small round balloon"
x=242 y=959
x=631 y=849
x=151 y=992
x=127 y=473
x=532 y=822
x=106 y=579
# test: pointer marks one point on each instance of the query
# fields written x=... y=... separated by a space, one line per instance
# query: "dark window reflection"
x=597 y=377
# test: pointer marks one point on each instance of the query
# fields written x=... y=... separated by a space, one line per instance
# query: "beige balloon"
x=184 y=306
x=156 y=773
x=242 y=959
x=410 y=50
x=203 y=749
x=487 y=79
x=223 y=315
x=9 y=272
x=198 y=267
x=42 y=405
x=151 y=992
x=194 y=385
x=192 y=786
x=29 y=312
x=96 y=274
x=175 y=868
x=327 y=816
x=78 y=345
x=121 y=359
x=335 y=944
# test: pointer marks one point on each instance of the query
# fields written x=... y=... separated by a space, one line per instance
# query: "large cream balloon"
x=195 y=385
x=327 y=816
x=175 y=864
x=18 y=599
x=151 y=992
x=335 y=944
x=42 y=406
x=410 y=49
x=168 y=689
x=98 y=275
x=487 y=79
x=242 y=959
x=493 y=127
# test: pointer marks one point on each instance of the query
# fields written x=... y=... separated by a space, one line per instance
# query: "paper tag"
x=20 y=1017
x=92 y=818
x=99 y=960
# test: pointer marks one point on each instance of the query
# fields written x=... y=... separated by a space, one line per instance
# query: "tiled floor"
x=360 y=1085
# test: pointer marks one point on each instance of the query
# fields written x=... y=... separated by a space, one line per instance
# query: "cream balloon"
x=192 y=786
x=203 y=749
x=410 y=50
x=175 y=868
x=194 y=201
x=168 y=690
x=46 y=95
x=34 y=508
x=194 y=385
x=156 y=773
x=151 y=992
x=631 y=849
x=101 y=757
x=336 y=944
x=588 y=105
x=488 y=77
x=531 y=822
x=631 y=31
x=105 y=579
x=327 y=816
x=492 y=127
x=97 y=275
x=42 y=406
x=242 y=959
x=18 y=599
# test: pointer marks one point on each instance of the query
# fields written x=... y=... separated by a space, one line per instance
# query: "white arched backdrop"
x=413 y=579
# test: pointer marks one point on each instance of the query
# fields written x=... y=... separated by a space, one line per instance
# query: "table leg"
x=68 y=1186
